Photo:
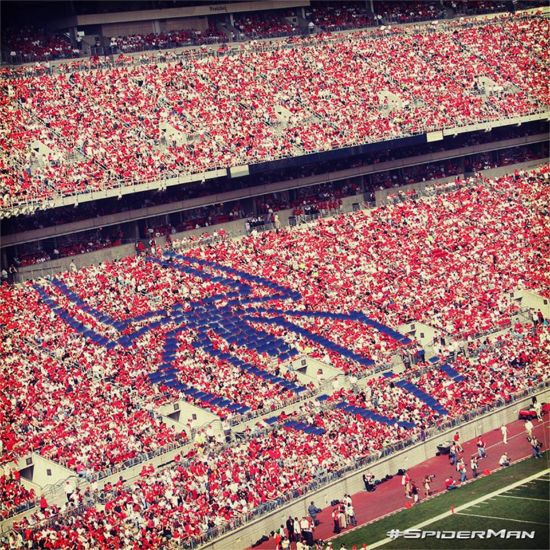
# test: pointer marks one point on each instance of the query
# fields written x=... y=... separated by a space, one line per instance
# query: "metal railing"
x=140 y=459
x=55 y=489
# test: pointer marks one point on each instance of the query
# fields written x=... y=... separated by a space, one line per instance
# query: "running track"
x=389 y=497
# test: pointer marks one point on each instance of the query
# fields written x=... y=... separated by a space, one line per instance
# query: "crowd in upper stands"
x=408 y=12
x=339 y=17
x=265 y=25
x=71 y=246
x=81 y=130
x=29 y=44
x=13 y=495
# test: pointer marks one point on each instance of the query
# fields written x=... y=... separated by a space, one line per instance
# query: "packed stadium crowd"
x=491 y=232
x=13 y=495
x=85 y=210
x=321 y=199
x=88 y=357
x=99 y=128
x=512 y=363
x=408 y=268
x=93 y=440
x=211 y=489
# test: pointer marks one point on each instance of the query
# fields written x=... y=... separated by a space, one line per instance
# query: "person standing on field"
x=504 y=432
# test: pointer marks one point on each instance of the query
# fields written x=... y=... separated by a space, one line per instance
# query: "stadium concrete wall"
x=196 y=23
x=534 y=301
x=171 y=13
x=126 y=29
x=147 y=27
x=246 y=535
x=42 y=472
x=52 y=267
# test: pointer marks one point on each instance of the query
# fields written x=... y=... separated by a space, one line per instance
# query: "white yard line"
x=467 y=505
x=523 y=498
x=496 y=517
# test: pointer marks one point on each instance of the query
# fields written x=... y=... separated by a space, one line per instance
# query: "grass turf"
x=537 y=488
x=404 y=519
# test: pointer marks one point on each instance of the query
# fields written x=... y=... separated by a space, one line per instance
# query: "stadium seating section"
x=89 y=358
x=214 y=325
x=31 y=44
x=90 y=125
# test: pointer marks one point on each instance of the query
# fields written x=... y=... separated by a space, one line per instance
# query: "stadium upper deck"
x=176 y=117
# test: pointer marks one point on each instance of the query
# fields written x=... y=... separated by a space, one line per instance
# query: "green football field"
x=525 y=507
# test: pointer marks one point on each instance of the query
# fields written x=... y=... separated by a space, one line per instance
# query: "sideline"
x=543 y=478
x=466 y=506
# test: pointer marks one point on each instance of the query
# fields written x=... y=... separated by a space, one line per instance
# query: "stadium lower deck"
x=106 y=366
